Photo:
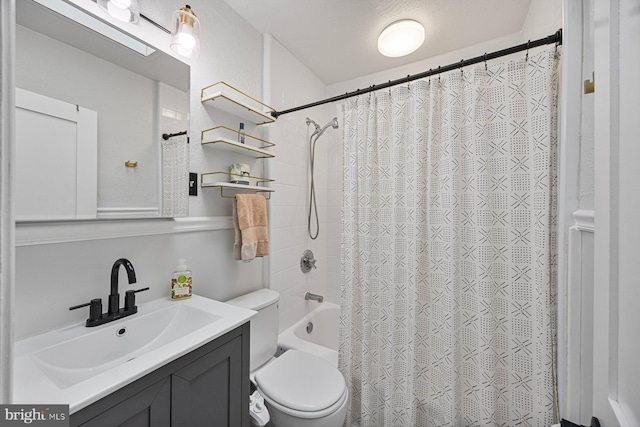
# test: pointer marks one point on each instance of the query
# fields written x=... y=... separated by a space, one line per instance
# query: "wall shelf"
x=257 y=188
x=225 y=97
x=225 y=138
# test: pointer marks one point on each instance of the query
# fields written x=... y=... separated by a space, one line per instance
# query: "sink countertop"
x=33 y=385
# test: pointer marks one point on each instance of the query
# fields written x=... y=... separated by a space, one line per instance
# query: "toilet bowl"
x=300 y=389
x=303 y=390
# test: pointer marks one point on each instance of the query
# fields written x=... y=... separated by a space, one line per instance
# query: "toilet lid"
x=301 y=381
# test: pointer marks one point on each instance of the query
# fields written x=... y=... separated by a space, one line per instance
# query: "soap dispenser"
x=181 y=282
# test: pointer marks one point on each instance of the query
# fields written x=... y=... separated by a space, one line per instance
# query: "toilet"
x=300 y=389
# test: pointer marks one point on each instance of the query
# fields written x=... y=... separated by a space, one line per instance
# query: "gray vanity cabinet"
x=204 y=390
x=148 y=407
x=207 y=387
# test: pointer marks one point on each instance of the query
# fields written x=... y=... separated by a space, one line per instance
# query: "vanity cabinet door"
x=207 y=387
x=209 y=391
x=147 y=408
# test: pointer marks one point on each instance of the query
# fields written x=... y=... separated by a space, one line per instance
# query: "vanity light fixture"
x=123 y=10
x=185 y=32
x=401 y=38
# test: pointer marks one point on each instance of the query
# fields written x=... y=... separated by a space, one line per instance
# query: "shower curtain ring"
x=526 y=58
x=389 y=87
x=461 y=62
x=485 y=62
x=408 y=82
x=438 y=73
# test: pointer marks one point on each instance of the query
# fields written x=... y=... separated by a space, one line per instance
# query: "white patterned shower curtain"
x=449 y=249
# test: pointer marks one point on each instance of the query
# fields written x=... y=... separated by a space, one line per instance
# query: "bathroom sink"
x=77 y=365
x=78 y=359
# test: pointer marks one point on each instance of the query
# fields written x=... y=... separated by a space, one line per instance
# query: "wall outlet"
x=193 y=184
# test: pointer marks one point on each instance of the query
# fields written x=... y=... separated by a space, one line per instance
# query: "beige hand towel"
x=250 y=224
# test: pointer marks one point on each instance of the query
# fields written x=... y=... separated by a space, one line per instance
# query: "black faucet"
x=114 y=296
x=96 y=317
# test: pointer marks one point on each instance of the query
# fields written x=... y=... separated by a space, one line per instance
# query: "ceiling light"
x=185 y=33
x=401 y=38
x=123 y=10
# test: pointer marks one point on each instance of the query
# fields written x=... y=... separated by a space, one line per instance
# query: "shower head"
x=309 y=122
x=319 y=131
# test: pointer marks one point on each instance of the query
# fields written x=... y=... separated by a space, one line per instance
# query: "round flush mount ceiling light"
x=124 y=10
x=401 y=38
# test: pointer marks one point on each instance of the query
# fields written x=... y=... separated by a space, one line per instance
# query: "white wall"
x=52 y=277
x=293 y=84
x=544 y=18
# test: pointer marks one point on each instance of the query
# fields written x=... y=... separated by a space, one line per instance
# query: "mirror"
x=90 y=115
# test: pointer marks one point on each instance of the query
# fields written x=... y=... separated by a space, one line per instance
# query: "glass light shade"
x=401 y=38
x=123 y=10
x=185 y=33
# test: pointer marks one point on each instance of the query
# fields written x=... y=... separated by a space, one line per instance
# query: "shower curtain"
x=448 y=249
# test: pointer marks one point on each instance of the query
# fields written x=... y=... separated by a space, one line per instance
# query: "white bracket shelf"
x=236 y=147
x=224 y=97
x=225 y=138
x=236 y=187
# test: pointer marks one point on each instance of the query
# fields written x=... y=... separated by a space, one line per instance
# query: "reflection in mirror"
x=90 y=113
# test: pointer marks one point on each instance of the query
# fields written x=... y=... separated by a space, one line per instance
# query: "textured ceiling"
x=337 y=39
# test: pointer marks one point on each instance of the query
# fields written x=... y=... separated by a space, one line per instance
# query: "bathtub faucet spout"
x=309 y=296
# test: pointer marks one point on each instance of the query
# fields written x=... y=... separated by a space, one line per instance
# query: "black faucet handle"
x=95 y=308
x=130 y=298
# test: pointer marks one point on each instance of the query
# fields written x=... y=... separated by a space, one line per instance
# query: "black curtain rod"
x=554 y=38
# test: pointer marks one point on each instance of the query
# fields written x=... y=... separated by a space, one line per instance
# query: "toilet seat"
x=306 y=414
x=302 y=385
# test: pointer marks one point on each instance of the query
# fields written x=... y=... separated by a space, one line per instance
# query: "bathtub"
x=322 y=340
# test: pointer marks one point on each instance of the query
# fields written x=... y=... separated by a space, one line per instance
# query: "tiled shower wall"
x=293 y=84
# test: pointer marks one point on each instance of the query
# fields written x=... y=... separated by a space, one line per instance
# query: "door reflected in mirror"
x=123 y=101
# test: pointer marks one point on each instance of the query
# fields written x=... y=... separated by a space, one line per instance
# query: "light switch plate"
x=193 y=184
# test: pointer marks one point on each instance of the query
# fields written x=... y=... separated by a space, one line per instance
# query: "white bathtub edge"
x=288 y=340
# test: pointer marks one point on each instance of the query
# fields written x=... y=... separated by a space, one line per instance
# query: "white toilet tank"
x=264 y=326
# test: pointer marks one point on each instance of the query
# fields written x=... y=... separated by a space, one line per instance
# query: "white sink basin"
x=77 y=365
x=78 y=359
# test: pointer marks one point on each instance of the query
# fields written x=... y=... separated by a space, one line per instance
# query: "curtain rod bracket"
x=167 y=136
